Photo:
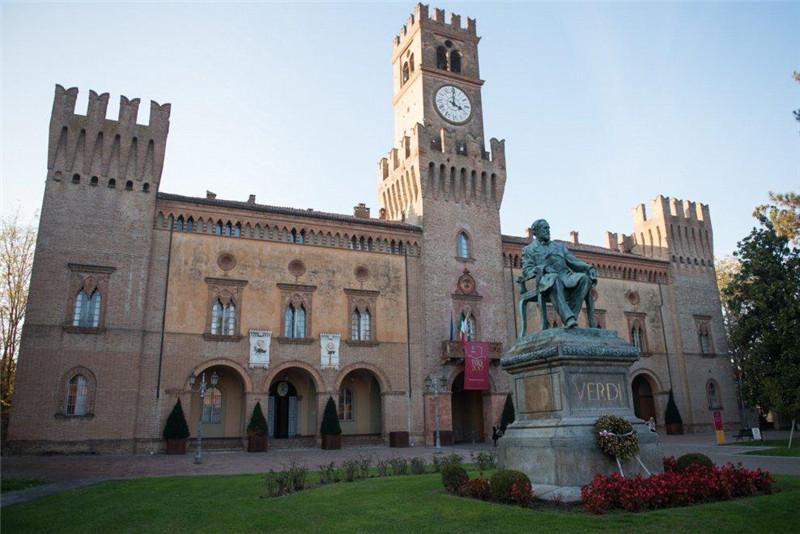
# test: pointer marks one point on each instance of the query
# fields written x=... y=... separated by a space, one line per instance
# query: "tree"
x=508 y=414
x=176 y=427
x=330 y=420
x=783 y=213
x=16 y=260
x=258 y=424
x=763 y=298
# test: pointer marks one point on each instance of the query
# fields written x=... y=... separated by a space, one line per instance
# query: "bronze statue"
x=560 y=278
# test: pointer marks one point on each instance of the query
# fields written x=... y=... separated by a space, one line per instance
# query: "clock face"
x=453 y=104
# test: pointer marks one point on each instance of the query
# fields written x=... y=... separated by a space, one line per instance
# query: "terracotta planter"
x=674 y=428
x=330 y=442
x=176 y=446
x=256 y=442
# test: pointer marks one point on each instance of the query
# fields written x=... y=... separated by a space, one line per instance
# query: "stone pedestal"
x=563 y=380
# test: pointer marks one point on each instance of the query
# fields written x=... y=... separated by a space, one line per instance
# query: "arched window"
x=216 y=317
x=345 y=405
x=129 y=186
x=297 y=237
x=212 y=407
x=295 y=321
x=229 y=319
x=77 y=395
x=712 y=395
x=94 y=180
x=704 y=337
x=361 y=325
x=112 y=183
x=441 y=58
x=228 y=229
x=218 y=228
x=87 y=309
x=237 y=230
x=636 y=335
x=190 y=225
x=455 y=61
x=179 y=224
x=405 y=73
x=146 y=188
x=462 y=247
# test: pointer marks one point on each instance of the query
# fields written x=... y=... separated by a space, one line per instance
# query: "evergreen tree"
x=176 y=427
x=258 y=423
x=672 y=416
x=330 y=420
x=508 y=416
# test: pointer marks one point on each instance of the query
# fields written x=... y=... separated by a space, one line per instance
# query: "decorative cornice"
x=296 y=287
x=362 y=292
x=82 y=268
x=226 y=281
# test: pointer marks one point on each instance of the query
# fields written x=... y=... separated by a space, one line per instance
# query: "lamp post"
x=201 y=388
x=436 y=385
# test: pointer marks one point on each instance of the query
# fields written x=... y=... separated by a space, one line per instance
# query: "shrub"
x=670 y=463
x=399 y=466
x=696 y=484
x=453 y=477
x=297 y=476
x=176 y=427
x=436 y=461
x=418 y=466
x=383 y=468
x=691 y=459
x=521 y=493
x=452 y=459
x=484 y=460
x=330 y=420
x=258 y=423
x=477 y=488
x=508 y=416
x=328 y=474
x=277 y=484
x=351 y=469
x=503 y=481
x=364 y=462
x=672 y=416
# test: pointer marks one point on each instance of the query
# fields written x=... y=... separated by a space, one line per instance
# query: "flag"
x=452 y=327
x=463 y=330
x=476 y=365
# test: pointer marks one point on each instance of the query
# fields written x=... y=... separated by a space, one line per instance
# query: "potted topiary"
x=672 y=417
x=176 y=431
x=257 y=431
x=330 y=429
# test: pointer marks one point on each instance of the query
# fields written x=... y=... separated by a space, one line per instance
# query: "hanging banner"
x=476 y=365
x=259 y=348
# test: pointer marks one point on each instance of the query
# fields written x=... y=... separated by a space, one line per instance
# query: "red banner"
x=476 y=365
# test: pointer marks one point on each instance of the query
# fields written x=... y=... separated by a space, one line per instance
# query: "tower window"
x=462 y=245
x=146 y=188
x=405 y=72
x=77 y=395
x=295 y=322
x=94 y=180
x=87 y=309
x=441 y=58
x=129 y=186
x=76 y=178
x=455 y=61
x=112 y=183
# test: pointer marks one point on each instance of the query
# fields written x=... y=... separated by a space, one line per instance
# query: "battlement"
x=97 y=146
x=421 y=18
x=426 y=139
x=672 y=210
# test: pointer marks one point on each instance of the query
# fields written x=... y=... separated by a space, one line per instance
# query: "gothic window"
x=636 y=331
x=297 y=237
x=94 y=180
x=237 y=230
x=411 y=63
x=87 y=308
x=129 y=186
x=455 y=61
x=179 y=224
x=112 y=183
x=712 y=395
x=346 y=405
x=294 y=324
x=77 y=396
x=212 y=407
x=218 y=228
x=704 y=335
x=462 y=247
x=225 y=295
x=190 y=225
x=405 y=72
x=441 y=58
x=228 y=229
x=361 y=325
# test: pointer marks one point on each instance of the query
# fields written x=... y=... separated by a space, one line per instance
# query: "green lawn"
x=779 y=447
x=394 y=504
x=15 y=484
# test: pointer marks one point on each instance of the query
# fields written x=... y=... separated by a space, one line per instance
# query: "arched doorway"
x=643 y=402
x=292 y=405
x=222 y=408
x=467 y=412
x=359 y=404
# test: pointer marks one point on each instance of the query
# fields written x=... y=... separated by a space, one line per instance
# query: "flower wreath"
x=616 y=437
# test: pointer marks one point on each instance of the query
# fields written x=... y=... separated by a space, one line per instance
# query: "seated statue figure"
x=560 y=278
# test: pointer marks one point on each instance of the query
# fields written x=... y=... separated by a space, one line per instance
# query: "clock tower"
x=441 y=176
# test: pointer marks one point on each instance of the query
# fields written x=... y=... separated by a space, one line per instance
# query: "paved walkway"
x=67 y=472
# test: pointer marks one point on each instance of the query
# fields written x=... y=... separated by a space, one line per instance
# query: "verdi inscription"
x=592 y=390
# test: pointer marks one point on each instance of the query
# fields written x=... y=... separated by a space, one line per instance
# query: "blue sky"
x=603 y=105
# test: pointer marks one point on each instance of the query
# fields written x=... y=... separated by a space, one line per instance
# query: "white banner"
x=259 y=348
x=329 y=350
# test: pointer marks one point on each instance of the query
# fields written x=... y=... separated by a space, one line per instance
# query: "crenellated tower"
x=441 y=176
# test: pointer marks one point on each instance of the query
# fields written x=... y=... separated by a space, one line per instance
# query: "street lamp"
x=201 y=388
x=436 y=385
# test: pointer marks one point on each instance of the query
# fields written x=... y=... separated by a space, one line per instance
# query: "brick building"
x=134 y=290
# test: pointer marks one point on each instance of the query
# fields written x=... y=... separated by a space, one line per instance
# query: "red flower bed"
x=477 y=488
x=695 y=484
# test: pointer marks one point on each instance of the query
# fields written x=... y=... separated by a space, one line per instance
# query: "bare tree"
x=16 y=260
